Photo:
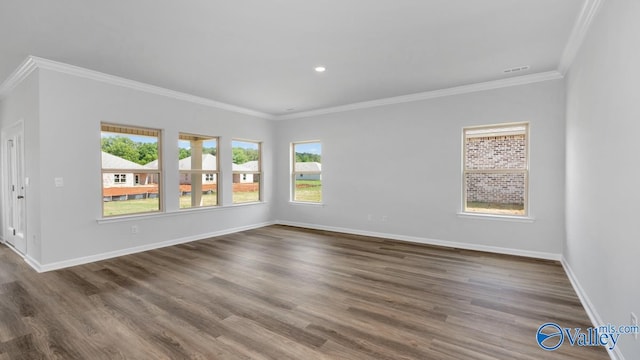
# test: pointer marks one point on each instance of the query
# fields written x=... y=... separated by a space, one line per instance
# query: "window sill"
x=157 y=215
x=245 y=204
x=510 y=218
x=305 y=203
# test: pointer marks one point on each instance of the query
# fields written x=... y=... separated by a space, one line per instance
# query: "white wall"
x=404 y=162
x=22 y=105
x=603 y=124
x=367 y=157
x=71 y=110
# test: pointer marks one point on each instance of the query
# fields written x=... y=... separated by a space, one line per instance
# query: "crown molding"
x=578 y=33
x=18 y=76
x=34 y=62
x=458 y=90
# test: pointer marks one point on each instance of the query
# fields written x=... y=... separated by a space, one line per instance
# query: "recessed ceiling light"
x=320 y=69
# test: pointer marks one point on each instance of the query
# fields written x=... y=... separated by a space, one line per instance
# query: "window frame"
x=203 y=173
x=259 y=172
x=525 y=171
x=294 y=174
x=127 y=130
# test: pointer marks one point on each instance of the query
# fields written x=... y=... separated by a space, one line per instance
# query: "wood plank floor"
x=286 y=293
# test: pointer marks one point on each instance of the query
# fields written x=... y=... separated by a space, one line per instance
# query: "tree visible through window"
x=247 y=171
x=306 y=174
x=496 y=169
x=131 y=170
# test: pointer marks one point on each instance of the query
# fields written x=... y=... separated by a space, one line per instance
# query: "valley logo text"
x=551 y=336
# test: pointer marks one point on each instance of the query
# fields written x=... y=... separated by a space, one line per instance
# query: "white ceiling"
x=260 y=54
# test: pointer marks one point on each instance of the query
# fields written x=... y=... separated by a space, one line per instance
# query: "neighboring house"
x=242 y=173
x=153 y=178
x=132 y=174
x=308 y=167
x=208 y=163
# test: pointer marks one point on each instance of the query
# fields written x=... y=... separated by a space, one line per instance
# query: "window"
x=247 y=171
x=198 y=167
x=120 y=178
x=496 y=169
x=130 y=153
x=306 y=174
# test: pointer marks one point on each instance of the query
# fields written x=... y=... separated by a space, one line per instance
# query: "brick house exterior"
x=501 y=152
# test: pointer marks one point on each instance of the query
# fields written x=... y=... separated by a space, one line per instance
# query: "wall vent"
x=516 y=69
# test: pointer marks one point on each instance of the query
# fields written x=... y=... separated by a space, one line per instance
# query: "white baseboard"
x=7 y=244
x=420 y=240
x=33 y=263
x=592 y=313
x=112 y=254
x=588 y=306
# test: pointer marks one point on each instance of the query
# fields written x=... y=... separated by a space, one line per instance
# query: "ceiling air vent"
x=516 y=69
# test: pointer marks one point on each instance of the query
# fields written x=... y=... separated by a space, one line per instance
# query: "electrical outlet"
x=369 y=217
x=135 y=229
x=384 y=218
x=634 y=322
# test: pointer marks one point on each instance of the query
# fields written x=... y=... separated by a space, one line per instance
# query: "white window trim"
x=173 y=213
x=526 y=217
x=143 y=131
x=498 y=217
x=259 y=172
x=294 y=174
x=200 y=172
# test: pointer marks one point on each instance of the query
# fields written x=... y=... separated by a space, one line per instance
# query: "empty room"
x=438 y=179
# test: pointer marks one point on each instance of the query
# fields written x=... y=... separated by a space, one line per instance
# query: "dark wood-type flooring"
x=286 y=293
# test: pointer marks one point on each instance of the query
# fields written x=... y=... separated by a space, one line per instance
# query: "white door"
x=14 y=204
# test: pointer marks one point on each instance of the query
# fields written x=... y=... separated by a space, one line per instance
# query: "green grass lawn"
x=207 y=200
x=125 y=207
x=308 y=191
x=245 y=196
x=128 y=207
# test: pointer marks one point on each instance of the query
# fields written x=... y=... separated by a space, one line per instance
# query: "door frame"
x=6 y=134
